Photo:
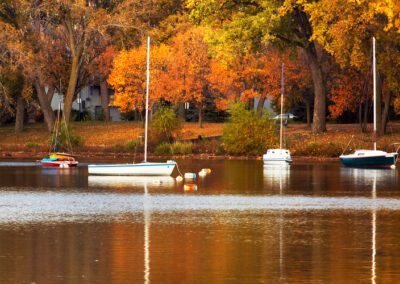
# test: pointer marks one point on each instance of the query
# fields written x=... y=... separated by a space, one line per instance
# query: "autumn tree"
x=128 y=77
x=345 y=29
x=243 y=25
x=187 y=70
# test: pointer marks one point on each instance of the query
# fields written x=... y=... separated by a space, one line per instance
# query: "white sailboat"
x=139 y=169
x=278 y=156
x=371 y=158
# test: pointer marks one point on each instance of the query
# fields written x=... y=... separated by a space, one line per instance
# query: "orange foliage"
x=128 y=77
x=346 y=92
x=261 y=75
x=184 y=79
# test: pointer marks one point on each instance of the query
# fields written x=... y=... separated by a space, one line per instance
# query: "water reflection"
x=19 y=164
x=369 y=176
x=147 y=215
x=276 y=176
x=130 y=181
x=233 y=231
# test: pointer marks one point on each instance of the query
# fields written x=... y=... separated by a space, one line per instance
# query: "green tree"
x=247 y=132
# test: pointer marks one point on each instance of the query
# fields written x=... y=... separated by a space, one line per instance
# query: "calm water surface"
x=311 y=222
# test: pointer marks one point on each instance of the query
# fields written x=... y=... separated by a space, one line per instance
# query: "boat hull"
x=277 y=157
x=140 y=169
x=277 y=162
x=384 y=161
x=59 y=164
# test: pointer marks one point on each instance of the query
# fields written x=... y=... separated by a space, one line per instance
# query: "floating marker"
x=207 y=170
x=190 y=175
x=190 y=187
x=202 y=173
x=179 y=178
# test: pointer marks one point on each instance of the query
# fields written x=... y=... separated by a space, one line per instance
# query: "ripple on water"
x=23 y=207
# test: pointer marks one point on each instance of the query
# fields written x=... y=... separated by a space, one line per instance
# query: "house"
x=90 y=100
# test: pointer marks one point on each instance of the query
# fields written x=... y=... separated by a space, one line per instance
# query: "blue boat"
x=370 y=159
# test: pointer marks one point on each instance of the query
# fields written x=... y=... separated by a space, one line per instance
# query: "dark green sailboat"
x=371 y=158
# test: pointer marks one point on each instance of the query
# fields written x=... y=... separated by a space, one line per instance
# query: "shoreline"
x=86 y=155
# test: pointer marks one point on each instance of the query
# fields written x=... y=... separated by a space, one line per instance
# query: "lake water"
x=310 y=222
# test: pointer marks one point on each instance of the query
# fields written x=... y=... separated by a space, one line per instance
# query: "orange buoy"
x=190 y=187
x=206 y=170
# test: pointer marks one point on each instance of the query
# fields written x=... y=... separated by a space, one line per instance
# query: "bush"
x=181 y=148
x=32 y=145
x=248 y=133
x=164 y=122
x=174 y=148
x=64 y=135
x=132 y=145
x=318 y=149
x=163 y=148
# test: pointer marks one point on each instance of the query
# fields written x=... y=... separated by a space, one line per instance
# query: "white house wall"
x=91 y=97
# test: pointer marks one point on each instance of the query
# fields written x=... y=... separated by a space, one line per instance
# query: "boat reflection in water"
x=372 y=179
x=276 y=176
x=366 y=177
x=131 y=181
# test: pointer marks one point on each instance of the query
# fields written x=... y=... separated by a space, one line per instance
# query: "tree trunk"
x=360 y=121
x=69 y=97
x=308 y=112
x=385 y=114
x=104 y=100
x=319 y=123
x=50 y=94
x=45 y=106
x=260 y=105
x=181 y=111
x=19 y=116
x=200 y=108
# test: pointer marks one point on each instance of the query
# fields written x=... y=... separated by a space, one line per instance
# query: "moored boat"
x=58 y=159
x=278 y=156
x=137 y=169
x=371 y=158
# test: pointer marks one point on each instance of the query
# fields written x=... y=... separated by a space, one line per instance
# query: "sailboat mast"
x=147 y=99
x=374 y=75
x=282 y=91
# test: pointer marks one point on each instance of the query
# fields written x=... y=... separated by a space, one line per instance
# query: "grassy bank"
x=113 y=139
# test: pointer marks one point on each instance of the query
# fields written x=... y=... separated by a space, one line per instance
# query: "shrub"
x=164 y=122
x=132 y=145
x=181 y=148
x=66 y=137
x=163 y=148
x=32 y=145
x=174 y=148
x=248 y=133
x=318 y=149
